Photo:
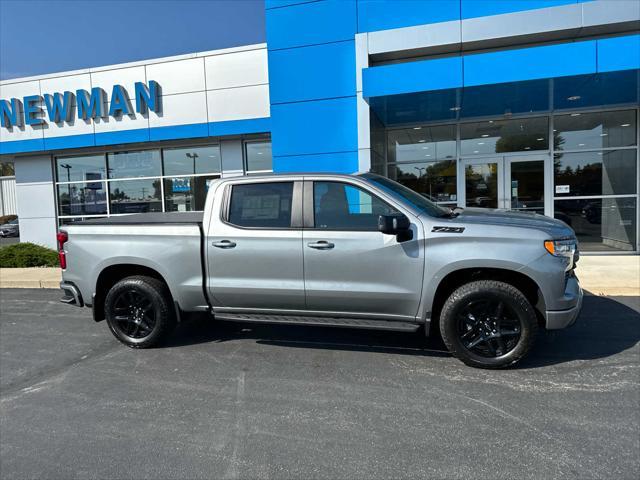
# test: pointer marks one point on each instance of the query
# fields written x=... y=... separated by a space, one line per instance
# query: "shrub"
x=7 y=218
x=27 y=255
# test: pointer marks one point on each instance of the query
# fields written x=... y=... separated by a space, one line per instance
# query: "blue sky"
x=49 y=36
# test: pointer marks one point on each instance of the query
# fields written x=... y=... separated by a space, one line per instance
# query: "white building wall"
x=200 y=88
x=8 y=196
x=35 y=200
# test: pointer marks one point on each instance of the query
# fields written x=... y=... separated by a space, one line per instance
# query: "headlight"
x=561 y=248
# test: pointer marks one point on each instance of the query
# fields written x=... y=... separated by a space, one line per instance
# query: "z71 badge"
x=448 y=229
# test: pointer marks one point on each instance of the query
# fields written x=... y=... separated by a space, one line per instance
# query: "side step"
x=320 y=321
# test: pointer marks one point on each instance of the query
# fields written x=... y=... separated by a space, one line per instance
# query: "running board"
x=320 y=321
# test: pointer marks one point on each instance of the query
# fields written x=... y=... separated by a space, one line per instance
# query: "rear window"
x=261 y=205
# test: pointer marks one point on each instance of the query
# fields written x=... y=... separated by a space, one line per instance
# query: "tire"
x=488 y=324
x=139 y=311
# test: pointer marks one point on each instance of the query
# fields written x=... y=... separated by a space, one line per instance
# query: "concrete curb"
x=599 y=275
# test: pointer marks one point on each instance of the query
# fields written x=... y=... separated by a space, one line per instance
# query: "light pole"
x=68 y=167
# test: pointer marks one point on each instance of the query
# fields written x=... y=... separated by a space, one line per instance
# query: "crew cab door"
x=254 y=246
x=349 y=265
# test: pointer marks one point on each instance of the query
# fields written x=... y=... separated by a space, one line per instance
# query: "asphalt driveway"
x=239 y=401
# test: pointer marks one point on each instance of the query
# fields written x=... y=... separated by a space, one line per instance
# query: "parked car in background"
x=10 y=229
x=358 y=251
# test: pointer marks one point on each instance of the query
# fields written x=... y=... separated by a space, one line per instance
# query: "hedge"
x=20 y=255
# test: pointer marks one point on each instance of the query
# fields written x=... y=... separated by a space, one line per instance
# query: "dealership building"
x=527 y=105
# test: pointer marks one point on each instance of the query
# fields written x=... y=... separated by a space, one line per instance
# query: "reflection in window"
x=579 y=131
x=595 y=173
x=82 y=199
x=135 y=196
x=261 y=205
x=259 y=156
x=194 y=160
x=74 y=169
x=419 y=144
x=338 y=206
x=186 y=194
x=600 y=224
x=434 y=180
x=481 y=185
x=502 y=136
x=145 y=163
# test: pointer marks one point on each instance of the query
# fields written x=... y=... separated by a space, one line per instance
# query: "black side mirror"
x=393 y=224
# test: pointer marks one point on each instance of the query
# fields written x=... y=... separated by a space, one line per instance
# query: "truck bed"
x=154 y=218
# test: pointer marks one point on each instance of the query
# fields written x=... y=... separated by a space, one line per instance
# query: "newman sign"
x=63 y=107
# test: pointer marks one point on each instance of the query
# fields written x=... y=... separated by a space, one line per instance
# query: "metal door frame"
x=504 y=177
x=548 y=178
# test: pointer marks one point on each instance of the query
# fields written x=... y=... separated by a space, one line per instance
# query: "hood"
x=488 y=216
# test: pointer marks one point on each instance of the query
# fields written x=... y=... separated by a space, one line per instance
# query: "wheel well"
x=458 y=278
x=112 y=275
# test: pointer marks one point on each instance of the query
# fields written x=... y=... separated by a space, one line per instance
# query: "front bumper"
x=72 y=295
x=557 y=319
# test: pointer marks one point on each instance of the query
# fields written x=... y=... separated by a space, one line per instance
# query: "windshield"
x=415 y=199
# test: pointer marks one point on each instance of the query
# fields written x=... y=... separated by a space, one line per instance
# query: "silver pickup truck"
x=357 y=251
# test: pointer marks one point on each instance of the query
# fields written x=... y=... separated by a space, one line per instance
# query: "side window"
x=339 y=206
x=261 y=205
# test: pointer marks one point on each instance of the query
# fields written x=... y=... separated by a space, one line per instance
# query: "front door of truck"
x=254 y=246
x=350 y=267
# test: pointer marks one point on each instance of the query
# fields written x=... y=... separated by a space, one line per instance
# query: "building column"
x=36 y=206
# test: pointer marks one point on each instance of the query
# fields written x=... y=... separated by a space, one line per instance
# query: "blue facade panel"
x=193 y=130
x=530 y=63
x=284 y=3
x=426 y=75
x=311 y=23
x=482 y=8
x=343 y=162
x=69 y=141
x=321 y=126
x=20 y=146
x=383 y=15
x=619 y=53
x=124 y=136
x=237 y=127
x=307 y=73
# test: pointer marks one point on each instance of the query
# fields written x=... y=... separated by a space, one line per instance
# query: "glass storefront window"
x=502 y=136
x=81 y=169
x=604 y=224
x=420 y=144
x=259 y=156
x=610 y=172
x=194 y=160
x=579 y=131
x=481 y=185
x=144 y=163
x=82 y=199
x=434 y=180
x=135 y=196
x=186 y=194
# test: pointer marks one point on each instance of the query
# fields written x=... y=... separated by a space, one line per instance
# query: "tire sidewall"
x=160 y=305
x=481 y=290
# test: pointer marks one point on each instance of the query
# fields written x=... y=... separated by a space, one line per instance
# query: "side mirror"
x=393 y=224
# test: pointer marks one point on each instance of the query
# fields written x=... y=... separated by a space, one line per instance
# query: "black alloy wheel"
x=134 y=314
x=139 y=311
x=488 y=324
x=489 y=327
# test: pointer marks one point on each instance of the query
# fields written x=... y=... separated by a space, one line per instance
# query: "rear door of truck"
x=254 y=245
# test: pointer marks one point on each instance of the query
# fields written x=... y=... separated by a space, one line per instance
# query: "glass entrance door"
x=512 y=183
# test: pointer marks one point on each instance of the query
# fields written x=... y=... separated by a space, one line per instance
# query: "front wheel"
x=139 y=311
x=488 y=324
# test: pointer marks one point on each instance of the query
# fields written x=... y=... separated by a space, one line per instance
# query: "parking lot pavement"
x=240 y=401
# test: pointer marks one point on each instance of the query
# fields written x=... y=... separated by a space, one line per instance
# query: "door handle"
x=321 y=245
x=224 y=244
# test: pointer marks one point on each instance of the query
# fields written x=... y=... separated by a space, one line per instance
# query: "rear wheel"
x=488 y=324
x=139 y=311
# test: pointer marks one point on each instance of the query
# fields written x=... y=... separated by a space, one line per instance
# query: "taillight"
x=62 y=256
